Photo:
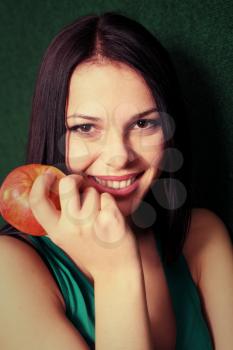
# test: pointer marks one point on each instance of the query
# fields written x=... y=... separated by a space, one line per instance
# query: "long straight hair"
x=115 y=37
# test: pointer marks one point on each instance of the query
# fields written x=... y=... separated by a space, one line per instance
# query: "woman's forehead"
x=108 y=89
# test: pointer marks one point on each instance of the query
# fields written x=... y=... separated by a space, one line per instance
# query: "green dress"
x=78 y=294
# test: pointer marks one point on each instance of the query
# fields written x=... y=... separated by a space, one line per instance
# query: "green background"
x=198 y=37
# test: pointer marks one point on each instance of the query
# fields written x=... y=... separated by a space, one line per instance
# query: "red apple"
x=14 y=193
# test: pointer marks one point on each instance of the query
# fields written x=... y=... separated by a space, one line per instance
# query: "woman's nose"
x=116 y=152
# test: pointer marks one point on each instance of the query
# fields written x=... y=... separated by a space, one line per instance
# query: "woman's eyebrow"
x=132 y=118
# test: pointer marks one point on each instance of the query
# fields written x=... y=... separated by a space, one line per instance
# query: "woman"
x=131 y=268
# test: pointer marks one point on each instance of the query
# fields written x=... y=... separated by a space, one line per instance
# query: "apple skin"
x=14 y=193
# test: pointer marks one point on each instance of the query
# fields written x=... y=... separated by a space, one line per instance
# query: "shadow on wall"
x=212 y=172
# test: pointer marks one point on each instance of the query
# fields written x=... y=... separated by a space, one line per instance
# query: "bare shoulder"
x=203 y=216
x=206 y=231
x=18 y=257
x=30 y=308
x=209 y=252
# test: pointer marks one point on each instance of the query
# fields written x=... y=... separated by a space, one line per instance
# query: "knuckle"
x=104 y=218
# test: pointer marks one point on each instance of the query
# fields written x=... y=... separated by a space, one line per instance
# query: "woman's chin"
x=127 y=207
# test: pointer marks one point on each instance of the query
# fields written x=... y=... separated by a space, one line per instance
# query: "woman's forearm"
x=121 y=315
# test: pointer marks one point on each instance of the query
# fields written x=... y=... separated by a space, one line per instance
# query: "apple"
x=14 y=193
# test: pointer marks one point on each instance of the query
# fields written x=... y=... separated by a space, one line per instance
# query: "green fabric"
x=192 y=330
x=78 y=293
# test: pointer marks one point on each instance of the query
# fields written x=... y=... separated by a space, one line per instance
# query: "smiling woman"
x=124 y=141
x=107 y=110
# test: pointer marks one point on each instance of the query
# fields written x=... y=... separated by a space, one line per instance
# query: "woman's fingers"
x=109 y=226
x=42 y=207
x=90 y=205
x=107 y=202
x=69 y=192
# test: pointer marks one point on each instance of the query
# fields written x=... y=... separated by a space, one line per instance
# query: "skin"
x=113 y=92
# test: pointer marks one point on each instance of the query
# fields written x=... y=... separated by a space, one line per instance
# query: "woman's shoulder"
x=17 y=249
x=206 y=227
x=19 y=261
x=201 y=217
x=209 y=252
x=29 y=304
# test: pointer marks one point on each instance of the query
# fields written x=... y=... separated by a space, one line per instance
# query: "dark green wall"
x=197 y=35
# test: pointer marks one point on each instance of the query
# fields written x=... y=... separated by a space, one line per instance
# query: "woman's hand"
x=90 y=227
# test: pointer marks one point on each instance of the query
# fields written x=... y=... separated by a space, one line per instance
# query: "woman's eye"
x=85 y=129
x=81 y=128
x=154 y=123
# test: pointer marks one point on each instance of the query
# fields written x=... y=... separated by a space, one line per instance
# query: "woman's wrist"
x=130 y=270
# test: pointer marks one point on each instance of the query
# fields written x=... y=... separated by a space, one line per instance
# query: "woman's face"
x=114 y=144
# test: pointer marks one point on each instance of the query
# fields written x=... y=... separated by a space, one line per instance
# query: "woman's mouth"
x=117 y=188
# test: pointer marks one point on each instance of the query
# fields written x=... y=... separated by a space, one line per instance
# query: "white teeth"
x=115 y=184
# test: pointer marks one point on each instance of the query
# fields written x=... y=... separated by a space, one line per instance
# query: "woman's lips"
x=121 y=192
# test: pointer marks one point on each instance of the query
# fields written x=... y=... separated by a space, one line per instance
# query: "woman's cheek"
x=78 y=153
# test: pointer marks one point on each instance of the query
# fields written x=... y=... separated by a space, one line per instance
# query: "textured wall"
x=197 y=35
